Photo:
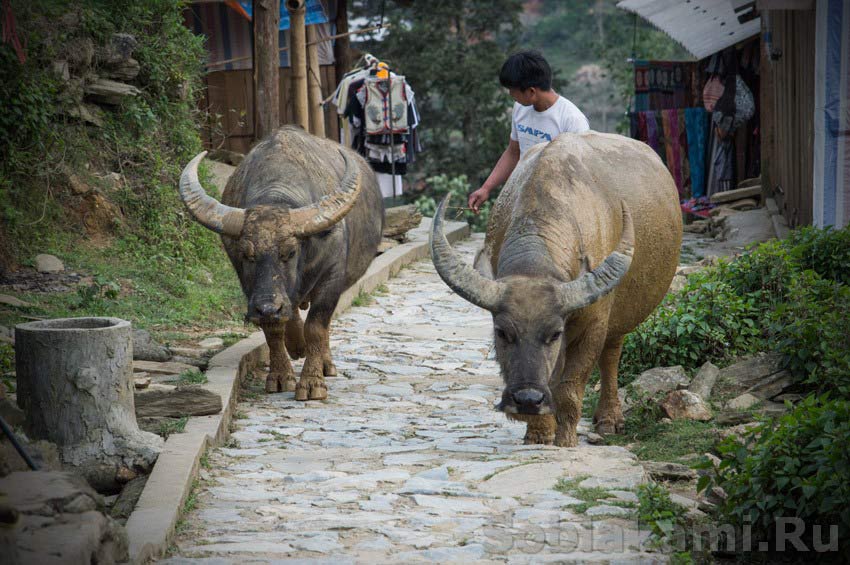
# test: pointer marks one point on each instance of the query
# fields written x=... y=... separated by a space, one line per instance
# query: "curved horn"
x=322 y=215
x=460 y=277
x=592 y=286
x=208 y=211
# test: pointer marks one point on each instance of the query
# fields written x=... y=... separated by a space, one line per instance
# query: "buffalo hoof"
x=280 y=383
x=537 y=438
x=566 y=439
x=329 y=369
x=607 y=425
x=311 y=388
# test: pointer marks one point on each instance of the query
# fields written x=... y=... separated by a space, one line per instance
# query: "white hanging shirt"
x=530 y=127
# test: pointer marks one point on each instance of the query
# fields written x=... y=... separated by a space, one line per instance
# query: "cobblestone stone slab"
x=151 y=525
x=407 y=461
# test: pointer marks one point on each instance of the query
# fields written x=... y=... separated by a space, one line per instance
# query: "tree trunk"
x=75 y=383
x=266 y=67
x=298 y=61
x=314 y=85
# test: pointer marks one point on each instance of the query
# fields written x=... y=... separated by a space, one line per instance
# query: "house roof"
x=703 y=27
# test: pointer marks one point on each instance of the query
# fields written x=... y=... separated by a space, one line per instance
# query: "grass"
x=675 y=441
x=192 y=376
x=590 y=496
x=363 y=298
x=169 y=427
x=189 y=504
x=232 y=337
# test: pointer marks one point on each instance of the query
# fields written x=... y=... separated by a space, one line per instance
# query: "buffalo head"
x=268 y=239
x=530 y=314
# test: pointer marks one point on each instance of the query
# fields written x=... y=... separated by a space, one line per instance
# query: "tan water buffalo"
x=301 y=221
x=582 y=245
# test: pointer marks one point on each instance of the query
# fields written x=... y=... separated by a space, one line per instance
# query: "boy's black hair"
x=526 y=69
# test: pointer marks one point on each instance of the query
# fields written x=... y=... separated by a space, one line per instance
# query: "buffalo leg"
x=539 y=429
x=312 y=385
x=581 y=357
x=281 y=376
x=295 y=343
x=608 y=418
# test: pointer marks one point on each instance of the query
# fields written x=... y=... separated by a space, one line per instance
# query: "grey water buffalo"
x=581 y=246
x=300 y=219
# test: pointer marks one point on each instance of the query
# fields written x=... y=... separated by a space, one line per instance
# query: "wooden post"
x=314 y=85
x=266 y=67
x=342 y=45
x=298 y=61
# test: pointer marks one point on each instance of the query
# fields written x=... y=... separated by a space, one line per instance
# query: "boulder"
x=110 y=92
x=703 y=382
x=146 y=349
x=8 y=300
x=119 y=48
x=60 y=520
x=124 y=71
x=48 y=264
x=211 y=343
x=743 y=402
x=772 y=385
x=664 y=471
x=99 y=214
x=79 y=53
x=653 y=383
x=176 y=402
x=400 y=220
x=157 y=368
x=685 y=405
x=126 y=501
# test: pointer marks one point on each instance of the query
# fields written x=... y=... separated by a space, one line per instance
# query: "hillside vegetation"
x=94 y=182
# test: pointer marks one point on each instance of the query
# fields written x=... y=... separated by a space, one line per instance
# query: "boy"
x=539 y=115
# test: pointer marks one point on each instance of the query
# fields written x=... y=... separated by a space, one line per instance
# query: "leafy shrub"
x=795 y=467
x=459 y=189
x=825 y=251
x=659 y=512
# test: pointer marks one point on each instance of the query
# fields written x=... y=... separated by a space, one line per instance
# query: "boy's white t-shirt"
x=530 y=127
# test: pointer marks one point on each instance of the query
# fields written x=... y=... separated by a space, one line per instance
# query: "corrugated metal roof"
x=703 y=27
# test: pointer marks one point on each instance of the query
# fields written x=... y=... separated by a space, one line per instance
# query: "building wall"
x=229 y=107
x=787 y=112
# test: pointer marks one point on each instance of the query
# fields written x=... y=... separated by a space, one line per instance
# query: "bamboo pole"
x=314 y=85
x=266 y=67
x=298 y=61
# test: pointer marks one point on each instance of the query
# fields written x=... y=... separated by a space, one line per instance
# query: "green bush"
x=795 y=467
x=659 y=512
x=825 y=251
x=459 y=189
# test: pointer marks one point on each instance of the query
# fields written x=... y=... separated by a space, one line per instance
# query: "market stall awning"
x=703 y=27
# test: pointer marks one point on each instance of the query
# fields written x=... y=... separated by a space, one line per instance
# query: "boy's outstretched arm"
x=503 y=169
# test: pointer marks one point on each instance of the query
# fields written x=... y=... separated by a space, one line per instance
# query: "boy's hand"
x=477 y=198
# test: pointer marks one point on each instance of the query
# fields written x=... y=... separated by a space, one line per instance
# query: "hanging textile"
x=696 y=124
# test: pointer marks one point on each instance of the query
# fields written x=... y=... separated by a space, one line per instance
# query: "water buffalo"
x=581 y=246
x=301 y=220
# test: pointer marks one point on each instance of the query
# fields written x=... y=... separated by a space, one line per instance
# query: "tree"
x=451 y=52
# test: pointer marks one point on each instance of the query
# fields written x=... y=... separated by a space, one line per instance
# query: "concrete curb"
x=151 y=525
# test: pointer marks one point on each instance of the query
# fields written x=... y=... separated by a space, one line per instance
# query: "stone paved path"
x=407 y=461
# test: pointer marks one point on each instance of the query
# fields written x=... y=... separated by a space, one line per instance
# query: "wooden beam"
x=314 y=85
x=266 y=66
x=298 y=61
x=342 y=47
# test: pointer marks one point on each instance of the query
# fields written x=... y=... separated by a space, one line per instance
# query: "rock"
x=155 y=368
x=193 y=362
x=62 y=520
x=743 y=402
x=716 y=495
x=146 y=349
x=7 y=300
x=79 y=53
x=191 y=352
x=652 y=384
x=735 y=194
x=7 y=335
x=176 y=402
x=678 y=283
x=100 y=215
x=88 y=113
x=118 y=50
x=715 y=461
x=387 y=244
x=211 y=343
x=595 y=439
x=61 y=71
x=225 y=156
x=698 y=226
x=13 y=415
x=110 y=92
x=48 y=264
x=663 y=471
x=43 y=453
x=126 y=501
x=608 y=510
x=772 y=385
x=124 y=71
x=685 y=405
x=739 y=432
x=141 y=383
x=703 y=381
x=748 y=372
x=400 y=220
x=744 y=204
